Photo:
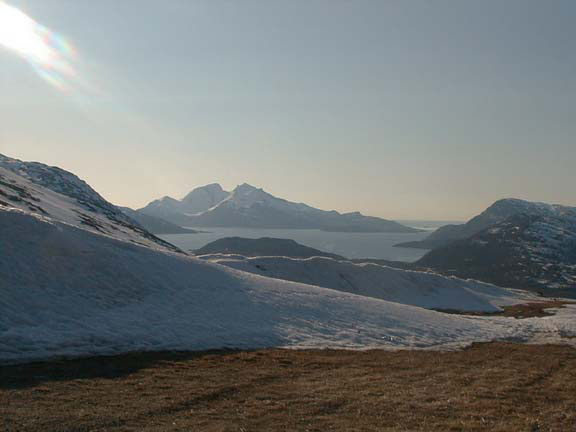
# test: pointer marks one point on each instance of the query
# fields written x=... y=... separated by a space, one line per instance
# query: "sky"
x=405 y=109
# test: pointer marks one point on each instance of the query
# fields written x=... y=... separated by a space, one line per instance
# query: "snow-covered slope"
x=62 y=196
x=68 y=291
x=421 y=289
x=248 y=206
x=64 y=183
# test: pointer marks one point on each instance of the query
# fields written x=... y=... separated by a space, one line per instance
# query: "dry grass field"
x=487 y=387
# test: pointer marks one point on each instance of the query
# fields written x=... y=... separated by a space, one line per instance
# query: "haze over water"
x=349 y=245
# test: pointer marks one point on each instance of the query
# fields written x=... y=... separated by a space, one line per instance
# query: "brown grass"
x=520 y=311
x=487 y=387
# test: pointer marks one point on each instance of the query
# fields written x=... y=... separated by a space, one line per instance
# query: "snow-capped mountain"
x=427 y=290
x=60 y=195
x=248 y=206
x=534 y=248
x=178 y=211
x=203 y=198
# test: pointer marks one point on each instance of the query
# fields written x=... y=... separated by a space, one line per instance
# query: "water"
x=350 y=245
x=428 y=225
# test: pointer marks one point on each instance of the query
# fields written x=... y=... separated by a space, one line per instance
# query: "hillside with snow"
x=60 y=195
x=421 y=289
x=66 y=291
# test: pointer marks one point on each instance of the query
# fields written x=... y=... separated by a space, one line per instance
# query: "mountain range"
x=513 y=243
x=250 y=207
x=79 y=277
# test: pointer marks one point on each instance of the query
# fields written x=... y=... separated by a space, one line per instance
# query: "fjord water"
x=350 y=245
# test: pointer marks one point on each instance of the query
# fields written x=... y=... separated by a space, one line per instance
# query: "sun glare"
x=46 y=51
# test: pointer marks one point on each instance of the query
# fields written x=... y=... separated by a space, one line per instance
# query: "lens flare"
x=49 y=54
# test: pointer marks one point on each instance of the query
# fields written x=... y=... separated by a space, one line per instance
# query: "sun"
x=21 y=34
x=46 y=51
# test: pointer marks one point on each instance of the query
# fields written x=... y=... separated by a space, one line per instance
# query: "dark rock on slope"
x=497 y=212
x=535 y=251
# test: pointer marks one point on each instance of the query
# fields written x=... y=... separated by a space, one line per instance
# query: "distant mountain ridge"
x=251 y=207
x=155 y=224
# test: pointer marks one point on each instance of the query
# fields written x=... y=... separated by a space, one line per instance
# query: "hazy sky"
x=401 y=109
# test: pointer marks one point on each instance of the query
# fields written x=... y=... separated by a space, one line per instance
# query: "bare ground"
x=487 y=387
x=519 y=311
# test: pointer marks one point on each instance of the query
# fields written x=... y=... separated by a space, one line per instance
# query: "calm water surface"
x=350 y=245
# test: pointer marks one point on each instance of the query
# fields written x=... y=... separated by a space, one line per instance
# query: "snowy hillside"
x=60 y=195
x=69 y=291
x=421 y=289
x=65 y=183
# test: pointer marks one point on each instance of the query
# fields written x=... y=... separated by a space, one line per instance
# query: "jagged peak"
x=245 y=187
x=212 y=188
x=217 y=186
